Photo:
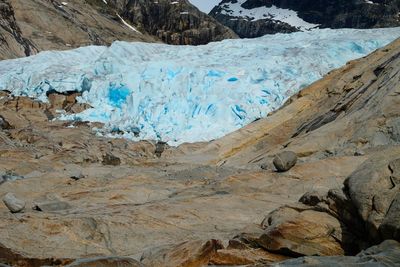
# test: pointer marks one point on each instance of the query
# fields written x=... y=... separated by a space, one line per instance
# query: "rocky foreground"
x=73 y=198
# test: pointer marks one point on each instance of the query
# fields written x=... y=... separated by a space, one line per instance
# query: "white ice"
x=186 y=93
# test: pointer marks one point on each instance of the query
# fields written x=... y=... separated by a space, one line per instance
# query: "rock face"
x=29 y=27
x=12 y=42
x=175 y=23
x=325 y=14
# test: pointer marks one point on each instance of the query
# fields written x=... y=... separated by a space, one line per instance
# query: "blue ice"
x=188 y=93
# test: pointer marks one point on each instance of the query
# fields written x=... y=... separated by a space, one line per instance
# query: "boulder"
x=372 y=189
x=187 y=254
x=14 y=204
x=284 y=161
x=298 y=230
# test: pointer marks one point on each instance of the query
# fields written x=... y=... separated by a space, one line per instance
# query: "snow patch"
x=235 y=9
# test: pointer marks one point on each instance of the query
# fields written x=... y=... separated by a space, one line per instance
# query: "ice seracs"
x=185 y=93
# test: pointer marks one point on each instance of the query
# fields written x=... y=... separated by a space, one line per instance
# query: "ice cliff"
x=188 y=93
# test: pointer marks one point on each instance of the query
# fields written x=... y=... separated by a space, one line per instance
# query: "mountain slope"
x=27 y=27
x=254 y=18
x=175 y=22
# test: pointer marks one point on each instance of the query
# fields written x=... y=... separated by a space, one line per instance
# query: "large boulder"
x=284 y=161
x=373 y=189
x=299 y=230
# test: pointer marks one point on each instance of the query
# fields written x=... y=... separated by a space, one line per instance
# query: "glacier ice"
x=184 y=93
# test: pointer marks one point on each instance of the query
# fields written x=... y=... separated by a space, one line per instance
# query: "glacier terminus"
x=183 y=94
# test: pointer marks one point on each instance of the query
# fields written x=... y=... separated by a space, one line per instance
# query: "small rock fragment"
x=284 y=161
x=10 y=176
x=4 y=124
x=312 y=198
x=76 y=175
x=160 y=147
x=264 y=166
x=110 y=159
x=359 y=153
x=14 y=204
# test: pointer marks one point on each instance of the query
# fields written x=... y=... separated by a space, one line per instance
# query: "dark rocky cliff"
x=179 y=23
x=325 y=13
x=27 y=27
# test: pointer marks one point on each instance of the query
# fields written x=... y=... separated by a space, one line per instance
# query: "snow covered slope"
x=255 y=18
x=186 y=93
x=235 y=9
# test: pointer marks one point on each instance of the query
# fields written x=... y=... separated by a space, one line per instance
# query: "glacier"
x=183 y=94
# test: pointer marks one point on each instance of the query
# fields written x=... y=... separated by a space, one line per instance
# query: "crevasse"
x=184 y=93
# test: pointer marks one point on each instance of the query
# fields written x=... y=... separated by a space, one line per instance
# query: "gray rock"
x=160 y=148
x=372 y=189
x=51 y=206
x=13 y=203
x=380 y=139
x=110 y=159
x=74 y=171
x=390 y=227
x=10 y=176
x=313 y=198
x=385 y=254
x=284 y=161
x=106 y=262
x=394 y=129
x=76 y=175
x=4 y=124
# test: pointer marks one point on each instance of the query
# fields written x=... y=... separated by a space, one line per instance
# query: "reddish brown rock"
x=187 y=254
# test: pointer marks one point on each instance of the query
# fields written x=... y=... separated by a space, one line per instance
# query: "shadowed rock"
x=385 y=254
